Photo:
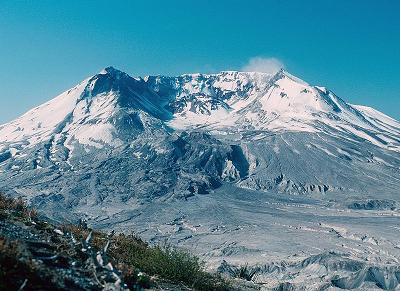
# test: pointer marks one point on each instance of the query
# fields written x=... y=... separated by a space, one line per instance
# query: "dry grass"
x=15 y=208
x=130 y=254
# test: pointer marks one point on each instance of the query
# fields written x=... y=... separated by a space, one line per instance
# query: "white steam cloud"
x=264 y=65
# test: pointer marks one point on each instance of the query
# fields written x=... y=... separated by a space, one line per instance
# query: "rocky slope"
x=36 y=254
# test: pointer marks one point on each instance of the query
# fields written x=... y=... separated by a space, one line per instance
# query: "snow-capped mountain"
x=91 y=113
x=240 y=101
x=228 y=102
x=263 y=147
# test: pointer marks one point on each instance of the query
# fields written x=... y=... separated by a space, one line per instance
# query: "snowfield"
x=239 y=167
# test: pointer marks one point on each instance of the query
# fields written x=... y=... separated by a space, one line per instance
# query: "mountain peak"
x=110 y=70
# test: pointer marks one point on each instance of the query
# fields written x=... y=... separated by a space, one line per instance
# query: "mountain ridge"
x=229 y=98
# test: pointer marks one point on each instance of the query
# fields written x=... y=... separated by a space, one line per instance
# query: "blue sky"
x=46 y=47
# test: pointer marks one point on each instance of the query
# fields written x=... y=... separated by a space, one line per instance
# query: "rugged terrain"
x=238 y=166
x=36 y=254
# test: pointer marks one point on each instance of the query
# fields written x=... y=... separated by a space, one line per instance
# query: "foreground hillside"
x=38 y=255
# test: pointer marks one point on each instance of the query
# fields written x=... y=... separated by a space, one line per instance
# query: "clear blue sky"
x=352 y=47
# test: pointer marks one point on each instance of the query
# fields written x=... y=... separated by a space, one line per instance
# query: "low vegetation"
x=129 y=253
x=15 y=207
x=244 y=272
x=35 y=254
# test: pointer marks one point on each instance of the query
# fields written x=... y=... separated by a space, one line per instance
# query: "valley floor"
x=302 y=241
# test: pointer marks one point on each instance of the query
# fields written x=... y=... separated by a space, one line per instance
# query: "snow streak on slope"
x=386 y=128
x=39 y=123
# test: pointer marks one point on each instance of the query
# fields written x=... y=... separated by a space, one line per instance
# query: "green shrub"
x=130 y=254
x=166 y=262
x=244 y=272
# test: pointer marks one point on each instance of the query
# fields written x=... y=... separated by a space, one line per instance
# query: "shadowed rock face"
x=227 y=155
